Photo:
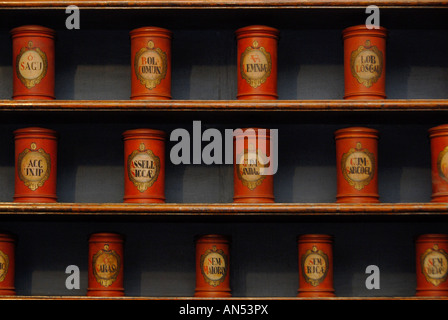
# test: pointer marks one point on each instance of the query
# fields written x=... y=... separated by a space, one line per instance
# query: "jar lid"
x=362 y=30
x=432 y=237
x=439 y=130
x=7 y=237
x=151 y=31
x=359 y=132
x=315 y=238
x=144 y=133
x=212 y=238
x=258 y=132
x=258 y=31
x=35 y=131
x=33 y=29
x=106 y=237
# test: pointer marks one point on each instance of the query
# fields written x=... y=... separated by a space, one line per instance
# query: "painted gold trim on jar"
x=31 y=155
x=142 y=186
x=160 y=64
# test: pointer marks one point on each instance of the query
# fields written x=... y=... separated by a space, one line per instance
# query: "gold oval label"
x=367 y=64
x=31 y=65
x=358 y=166
x=314 y=266
x=143 y=168
x=214 y=265
x=34 y=167
x=442 y=164
x=434 y=264
x=4 y=265
x=106 y=265
x=255 y=65
x=150 y=65
x=251 y=166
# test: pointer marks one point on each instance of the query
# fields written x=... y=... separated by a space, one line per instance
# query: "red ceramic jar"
x=144 y=158
x=151 y=63
x=212 y=266
x=253 y=180
x=33 y=62
x=105 y=265
x=432 y=265
x=257 y=62
x=7 y=264
x=439 y=162
x=365 y=62
x=36 y=165
x=316 y=265
x=357 y=165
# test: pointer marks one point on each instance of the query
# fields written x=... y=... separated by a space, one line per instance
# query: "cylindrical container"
x=151 y=63
x=253 y=164
x=36 y=165
x=105 y=265
x=365 y=62
x=439 y=163
x=212 y=266
x=316 y=265
x=7 y=264
x=257 y=62
x=33 y=62
x=432 y=265
x=144 y=158
x=357 y=165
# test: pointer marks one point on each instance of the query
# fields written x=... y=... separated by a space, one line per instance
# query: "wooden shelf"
x=226 y=4
x=218 y=299
x=226 y=209
x=225 y=105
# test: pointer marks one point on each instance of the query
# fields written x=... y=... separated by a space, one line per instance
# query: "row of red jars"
x=144 y=158
x=315 y=252
x=364 y=60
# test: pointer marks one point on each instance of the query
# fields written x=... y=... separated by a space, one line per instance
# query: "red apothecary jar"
x=357 y=165
x=144 y=158
x=257 y=62
x=439 y=162
x=105 y=265
x=253 y=178
x=365 y=62
x=33 y=62
x=432 y=265
x=36 y=165
x=7 y=264
x=316 y=265
x=151 y=63
x=212 y=266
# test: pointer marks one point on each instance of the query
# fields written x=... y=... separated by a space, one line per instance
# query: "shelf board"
x=226 y=105
x=219 y=4
x=226 y=209
x=86 y=298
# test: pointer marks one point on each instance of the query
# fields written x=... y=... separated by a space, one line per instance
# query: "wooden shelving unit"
x=226 y=105
x=311 y=214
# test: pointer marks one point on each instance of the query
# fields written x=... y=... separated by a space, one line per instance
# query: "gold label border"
x=33 y=185
x=143 y=186
x=105 y=282
x=439 y=163
x=367 y=46
x=214 y=283
x=6 y=258
x=255 y=83
x=250 y=184
x=433 y=281
x=148 y=83
x=29 y=83
x=358 y=185
x=314 y=250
